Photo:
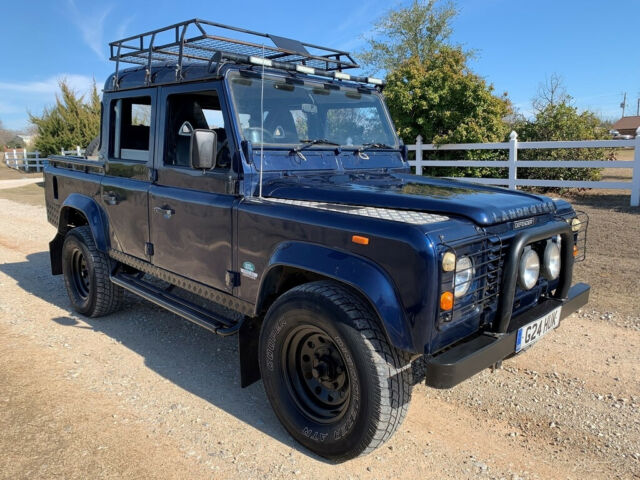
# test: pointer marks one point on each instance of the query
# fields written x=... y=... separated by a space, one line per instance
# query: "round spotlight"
x=529 y=270
x=551 y=261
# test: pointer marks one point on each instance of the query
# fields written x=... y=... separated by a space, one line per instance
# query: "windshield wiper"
x=317 y=141
x=306 y=143
x=371 y=146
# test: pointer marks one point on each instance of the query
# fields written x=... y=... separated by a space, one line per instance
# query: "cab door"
x=125 y=187
x=190 y=211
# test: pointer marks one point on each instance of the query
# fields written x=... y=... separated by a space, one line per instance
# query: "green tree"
x=442 y=100
x=6 y=136
x=418 y=31
x=557 y=118
x=72 y=121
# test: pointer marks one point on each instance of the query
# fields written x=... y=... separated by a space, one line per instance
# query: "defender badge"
x=527 y=222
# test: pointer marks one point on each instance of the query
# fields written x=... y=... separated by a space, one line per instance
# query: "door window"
x=202 y=110
x=130 y=128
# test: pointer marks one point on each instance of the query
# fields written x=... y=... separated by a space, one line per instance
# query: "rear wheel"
x=330 y=374
x=87 y=275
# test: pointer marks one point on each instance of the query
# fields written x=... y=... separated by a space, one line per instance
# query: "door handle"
x=110 y=198
x=166 y=212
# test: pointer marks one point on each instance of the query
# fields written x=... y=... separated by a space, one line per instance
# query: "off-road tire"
x=92 y=148
x=378 y=375
x=86 y=275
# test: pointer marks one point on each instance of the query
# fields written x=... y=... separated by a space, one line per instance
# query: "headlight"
x=464 y=276
x=529 y=269
x=551 y=261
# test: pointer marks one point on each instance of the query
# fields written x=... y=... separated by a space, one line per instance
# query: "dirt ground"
x=144 y=394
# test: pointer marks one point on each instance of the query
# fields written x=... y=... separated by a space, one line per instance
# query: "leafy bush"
x=72 y=121
x=444 y=102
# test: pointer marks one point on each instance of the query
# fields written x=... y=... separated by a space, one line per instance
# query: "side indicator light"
x=575 y=251
x=446 y=301
x=360 y=240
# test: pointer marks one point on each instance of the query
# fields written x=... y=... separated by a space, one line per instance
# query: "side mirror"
x=204 y=149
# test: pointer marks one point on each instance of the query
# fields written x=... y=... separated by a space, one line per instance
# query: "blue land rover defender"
x=251 y=186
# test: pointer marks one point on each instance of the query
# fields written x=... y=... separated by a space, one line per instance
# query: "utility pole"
x=638 y=109
x=624 y=103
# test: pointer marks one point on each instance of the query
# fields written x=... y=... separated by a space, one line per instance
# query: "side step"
x=184 y=308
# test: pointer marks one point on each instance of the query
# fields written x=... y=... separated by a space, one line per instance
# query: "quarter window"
x=130 y=128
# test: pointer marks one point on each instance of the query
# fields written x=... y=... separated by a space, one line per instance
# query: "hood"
x=483 y=205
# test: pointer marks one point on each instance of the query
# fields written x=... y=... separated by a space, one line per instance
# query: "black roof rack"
x=200 y=41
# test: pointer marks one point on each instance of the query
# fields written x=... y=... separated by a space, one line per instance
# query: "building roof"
x=627 y=123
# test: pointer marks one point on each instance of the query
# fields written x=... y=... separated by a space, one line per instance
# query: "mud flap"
x=248 y=339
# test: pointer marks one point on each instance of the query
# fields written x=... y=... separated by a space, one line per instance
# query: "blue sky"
x=592 y=44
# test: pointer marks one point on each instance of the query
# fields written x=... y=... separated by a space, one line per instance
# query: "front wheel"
x=330 y=374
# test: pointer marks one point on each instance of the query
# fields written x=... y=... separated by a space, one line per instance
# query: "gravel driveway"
x=144 y=394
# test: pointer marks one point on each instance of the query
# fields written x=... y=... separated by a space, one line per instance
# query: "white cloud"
x=91 y=26
x=16 y=98
x=79 y=83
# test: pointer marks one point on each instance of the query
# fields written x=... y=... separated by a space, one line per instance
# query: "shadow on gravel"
x=191 y=357
x=618 y=203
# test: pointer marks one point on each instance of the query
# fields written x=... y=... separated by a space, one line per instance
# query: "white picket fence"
x=31 y=161
x=512 y=163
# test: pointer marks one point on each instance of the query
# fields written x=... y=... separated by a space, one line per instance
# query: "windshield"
x=296 y=113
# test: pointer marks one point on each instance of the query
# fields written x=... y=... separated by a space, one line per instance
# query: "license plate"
x=534 y=331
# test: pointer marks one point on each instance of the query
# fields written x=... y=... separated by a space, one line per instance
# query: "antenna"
x=261 y=127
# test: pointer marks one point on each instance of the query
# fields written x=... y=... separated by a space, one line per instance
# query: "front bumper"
x=469 y=357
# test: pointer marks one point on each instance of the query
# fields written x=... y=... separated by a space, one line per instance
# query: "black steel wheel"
x=316 y=374
x=87 y=275
x=330 y=374
x=80 y=273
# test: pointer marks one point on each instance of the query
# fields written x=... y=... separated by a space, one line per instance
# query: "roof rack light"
x=375 y=81
x=341 y=76
x=265 y=62
x=305 y=69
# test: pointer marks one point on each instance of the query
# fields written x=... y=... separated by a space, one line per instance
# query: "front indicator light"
x=446 y=301
x=529 y=269
x=576 y=251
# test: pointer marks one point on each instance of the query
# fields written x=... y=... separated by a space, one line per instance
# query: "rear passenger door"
x=124 y=190
x=191 y=210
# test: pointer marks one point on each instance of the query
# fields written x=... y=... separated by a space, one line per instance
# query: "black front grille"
x=487 y=255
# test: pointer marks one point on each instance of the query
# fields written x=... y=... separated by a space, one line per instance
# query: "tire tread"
x=108 y=296
x=393 y=366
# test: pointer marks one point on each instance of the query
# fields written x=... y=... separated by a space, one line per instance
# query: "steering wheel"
x=255 y=134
